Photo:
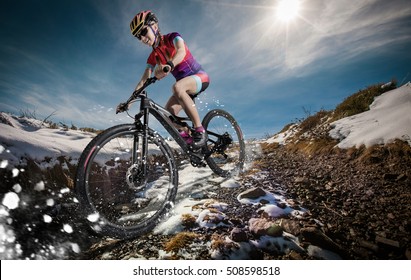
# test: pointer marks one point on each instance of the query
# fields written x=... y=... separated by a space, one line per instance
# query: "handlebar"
x=136 y=93
x=124 y=106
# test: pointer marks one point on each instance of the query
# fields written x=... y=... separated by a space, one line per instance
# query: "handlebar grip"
x=166 y=69
x=121 y=108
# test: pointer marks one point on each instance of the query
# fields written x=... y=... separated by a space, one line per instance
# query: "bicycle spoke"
x=114 y=188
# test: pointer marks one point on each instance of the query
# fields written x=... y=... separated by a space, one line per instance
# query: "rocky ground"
x=362 y=196
x=356 y=206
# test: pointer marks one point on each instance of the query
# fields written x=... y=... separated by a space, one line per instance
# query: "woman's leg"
x=181 y=99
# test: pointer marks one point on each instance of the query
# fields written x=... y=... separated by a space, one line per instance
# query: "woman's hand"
x=161 y=71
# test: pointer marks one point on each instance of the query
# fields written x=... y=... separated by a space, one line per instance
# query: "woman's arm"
x=144 y=77
x=172 y=61
x=180 y=52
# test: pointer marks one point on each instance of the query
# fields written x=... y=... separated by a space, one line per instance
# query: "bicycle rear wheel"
x=226 y=148
x=116 y=199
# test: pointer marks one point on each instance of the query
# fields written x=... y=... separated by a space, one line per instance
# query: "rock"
x=252 y=193
x=291 y=226
x=275 y=231
x=318 y=238
x=301 y=180
x=368 y=245
x=390 y=176
x=386 y=241
x=264 y=201
x=401 y=177
x=282 y=205
x=238 y=235
x=390 y=216
x=260 y=227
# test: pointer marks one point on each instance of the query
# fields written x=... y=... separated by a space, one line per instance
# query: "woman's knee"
x=178 y=90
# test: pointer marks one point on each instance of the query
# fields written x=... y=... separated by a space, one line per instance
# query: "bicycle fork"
x=144 y=147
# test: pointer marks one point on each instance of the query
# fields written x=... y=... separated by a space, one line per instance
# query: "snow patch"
x=389 y=118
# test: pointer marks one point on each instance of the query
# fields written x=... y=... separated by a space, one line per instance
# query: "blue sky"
x=78 y=60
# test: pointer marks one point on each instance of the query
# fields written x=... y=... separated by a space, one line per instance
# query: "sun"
x=287 y=10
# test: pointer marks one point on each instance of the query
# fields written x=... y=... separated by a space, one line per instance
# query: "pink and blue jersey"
x=188 y=67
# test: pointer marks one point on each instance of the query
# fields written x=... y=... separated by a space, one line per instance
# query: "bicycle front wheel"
x=226 y=148
x=116 y=197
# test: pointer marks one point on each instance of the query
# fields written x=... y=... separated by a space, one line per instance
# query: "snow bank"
x=389 y=118
x=31 y=138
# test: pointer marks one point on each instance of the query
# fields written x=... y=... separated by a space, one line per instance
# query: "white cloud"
x=249 y=38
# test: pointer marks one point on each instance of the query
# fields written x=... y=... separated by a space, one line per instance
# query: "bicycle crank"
x=197 y=158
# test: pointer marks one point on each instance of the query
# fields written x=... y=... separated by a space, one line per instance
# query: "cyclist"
x=171 y=53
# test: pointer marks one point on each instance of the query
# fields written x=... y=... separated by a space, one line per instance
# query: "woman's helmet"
x=141 y=19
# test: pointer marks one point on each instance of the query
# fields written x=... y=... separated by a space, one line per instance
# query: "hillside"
x=336 y=185
x=353 y=172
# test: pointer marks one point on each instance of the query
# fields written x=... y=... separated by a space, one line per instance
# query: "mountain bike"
x=127 y=176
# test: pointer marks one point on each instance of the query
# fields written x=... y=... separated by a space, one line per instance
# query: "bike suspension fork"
x=144 y=148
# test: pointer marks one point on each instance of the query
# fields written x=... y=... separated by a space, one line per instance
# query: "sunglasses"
x=143 y=32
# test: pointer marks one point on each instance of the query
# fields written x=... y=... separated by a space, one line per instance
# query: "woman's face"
x=146 y=35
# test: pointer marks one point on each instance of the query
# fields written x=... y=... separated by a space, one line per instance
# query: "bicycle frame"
x=141 y=120
x=169 y=122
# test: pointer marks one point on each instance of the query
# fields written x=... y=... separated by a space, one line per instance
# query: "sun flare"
x=287 y=10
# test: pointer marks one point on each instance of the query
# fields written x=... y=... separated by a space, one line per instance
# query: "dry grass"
x=312 y=122
x=267 y=147
x=321 y=145
x=218 y=243
x=286 y=127
x=361 y=101
x=180 y=241
x=392 y=151
x=313 y=147
x=188 y=221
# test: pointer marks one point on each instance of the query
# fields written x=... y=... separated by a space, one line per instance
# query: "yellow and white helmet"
x=141 y=19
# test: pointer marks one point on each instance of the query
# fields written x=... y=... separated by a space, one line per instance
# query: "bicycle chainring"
x=197 y=158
